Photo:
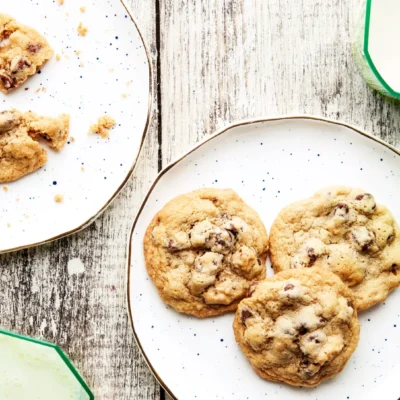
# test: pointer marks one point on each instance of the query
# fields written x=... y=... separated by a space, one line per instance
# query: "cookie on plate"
x=23 y=51
x=299 y=326
x=342 y=229
x=204 y=249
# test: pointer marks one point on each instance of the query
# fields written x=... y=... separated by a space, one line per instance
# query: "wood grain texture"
x=228 y=60
x=219 y=61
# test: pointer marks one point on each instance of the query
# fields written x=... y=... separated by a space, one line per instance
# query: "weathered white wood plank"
x=227 y=60
x=85 y=313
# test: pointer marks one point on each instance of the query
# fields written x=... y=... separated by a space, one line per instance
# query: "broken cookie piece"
x=23 y=51
x=103 y=126
x=20 y=151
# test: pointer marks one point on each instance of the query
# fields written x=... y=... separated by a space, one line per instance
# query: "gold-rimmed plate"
x=269 y=163
x=105 y=72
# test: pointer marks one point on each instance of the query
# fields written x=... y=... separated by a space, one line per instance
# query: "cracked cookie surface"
x=203 y=250
x=298 y=326
x=344 y=230
x=20 y=151
x=23 y=51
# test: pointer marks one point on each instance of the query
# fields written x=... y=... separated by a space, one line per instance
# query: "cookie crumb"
x=82 y=169
x=5 y=188
x=104 y=124
x=58 y=57
x=60 y=2
x=8 y=225
x=81 y=64
x=124 y=95
x=82 y=31
x=77 y=52
x=111 y=70
x=59 y=198
x=129 y=83
x=82 y=9
x=72 y=139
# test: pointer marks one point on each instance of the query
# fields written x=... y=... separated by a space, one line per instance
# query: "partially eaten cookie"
x=20 y=150
x=23 y=51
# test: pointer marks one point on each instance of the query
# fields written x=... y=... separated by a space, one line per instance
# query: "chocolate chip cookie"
x=23 y=51
x=299 y=326
x=204 y=249
x=20 y=151
x=342 y=229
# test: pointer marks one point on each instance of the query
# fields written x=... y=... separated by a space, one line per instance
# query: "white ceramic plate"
x=115 y=79
x=270 y=164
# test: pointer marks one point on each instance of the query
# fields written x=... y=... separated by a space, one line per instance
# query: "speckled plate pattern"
x=269 y=163
x=105 y=72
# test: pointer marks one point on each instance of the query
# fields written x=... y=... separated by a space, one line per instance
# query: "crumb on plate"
x=59 y=198
x=82 y=169
x=61 y=2
x=103 y=125
x=82 y=9
x=8 y=225
x=82 y=31
x=5 y=188
x=58 y=57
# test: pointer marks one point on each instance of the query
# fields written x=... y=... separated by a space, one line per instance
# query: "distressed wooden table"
x=214 y=61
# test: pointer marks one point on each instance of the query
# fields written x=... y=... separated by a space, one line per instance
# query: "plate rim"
x=216 y=134
x=150 y=111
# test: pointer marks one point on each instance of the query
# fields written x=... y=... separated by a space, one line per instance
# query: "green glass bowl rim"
x=368 y=56
x=60 y=353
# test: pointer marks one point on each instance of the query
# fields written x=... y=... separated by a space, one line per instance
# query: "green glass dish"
x=374 y=46
x=39 y=370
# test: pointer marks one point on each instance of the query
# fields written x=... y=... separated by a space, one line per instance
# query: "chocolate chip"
x=18 y=64
x=34 y=48
x=350 y=303
x=303 y=330
x=314 y=338
x=390 y=238
x=342 y=209
x=366 y=196
x=245 y=315
x=394 y=269
x=289 y=286
x=251 y=288
x=7 y=80
x=311 y=254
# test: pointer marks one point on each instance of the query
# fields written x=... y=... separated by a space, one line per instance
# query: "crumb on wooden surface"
x=5 y=188
x=82 y=9
x=59 y=198
x=82 y=31
x=103 y=126
x=58 y=57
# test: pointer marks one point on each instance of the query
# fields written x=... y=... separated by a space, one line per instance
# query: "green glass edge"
x=60 y=353
x=368 y=57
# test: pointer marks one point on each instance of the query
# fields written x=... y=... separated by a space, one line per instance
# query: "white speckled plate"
x=105 y=72
x=270 y=164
